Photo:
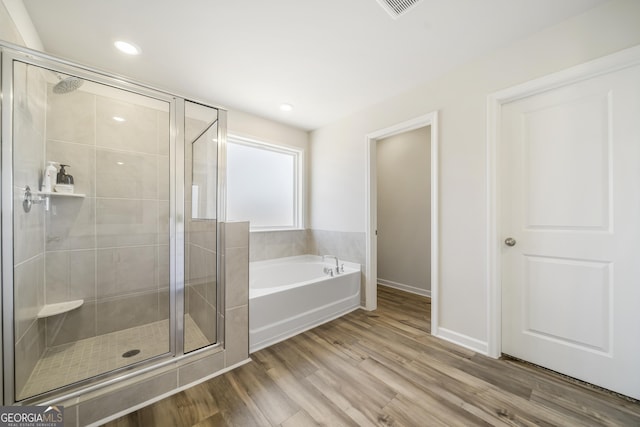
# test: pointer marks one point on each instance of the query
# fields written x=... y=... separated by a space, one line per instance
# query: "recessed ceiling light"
x=286 y=107
x=126 y=47
x=119 y=119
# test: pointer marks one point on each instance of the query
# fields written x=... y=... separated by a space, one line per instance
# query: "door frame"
x=604 y=65
x=371 y=208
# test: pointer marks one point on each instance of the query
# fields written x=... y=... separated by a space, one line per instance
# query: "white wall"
x=250 y=126
x=404 y=210
x=8 y=30
x=16 y=26
x=338 y=150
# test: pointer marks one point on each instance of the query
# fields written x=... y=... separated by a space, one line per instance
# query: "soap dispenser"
x=63 y=177
x=64 y=181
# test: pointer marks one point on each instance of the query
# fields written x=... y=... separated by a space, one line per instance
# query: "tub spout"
x=335 y=258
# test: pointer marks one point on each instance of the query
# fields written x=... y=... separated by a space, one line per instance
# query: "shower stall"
x=114 y=265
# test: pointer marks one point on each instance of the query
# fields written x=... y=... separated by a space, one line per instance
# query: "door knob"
x=510 y=241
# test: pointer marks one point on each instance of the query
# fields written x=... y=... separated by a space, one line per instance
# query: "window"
x=264 y=184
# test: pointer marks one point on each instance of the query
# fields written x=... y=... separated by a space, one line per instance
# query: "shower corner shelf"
x=62 y=307
x=53 y=193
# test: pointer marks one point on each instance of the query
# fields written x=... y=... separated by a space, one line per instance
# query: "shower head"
x=67 y=84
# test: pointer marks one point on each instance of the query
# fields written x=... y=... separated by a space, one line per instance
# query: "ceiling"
x=328 y=58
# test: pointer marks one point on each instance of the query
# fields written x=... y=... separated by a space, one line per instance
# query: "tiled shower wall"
x=28 y=255
x=95 y=406
x=110 y=248
x=200 y=276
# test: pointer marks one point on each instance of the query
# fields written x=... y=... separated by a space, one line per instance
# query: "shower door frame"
x=10 y=53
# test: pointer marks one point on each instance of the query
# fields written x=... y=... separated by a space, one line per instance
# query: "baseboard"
x=462 y=340
x=406 y=288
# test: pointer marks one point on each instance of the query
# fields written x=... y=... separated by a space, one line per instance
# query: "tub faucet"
x=335 y=258
x=328 y=270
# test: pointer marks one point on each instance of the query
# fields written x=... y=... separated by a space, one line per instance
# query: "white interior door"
x=569 y=162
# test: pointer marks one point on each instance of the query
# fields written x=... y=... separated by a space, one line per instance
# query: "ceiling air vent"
x=395 y=8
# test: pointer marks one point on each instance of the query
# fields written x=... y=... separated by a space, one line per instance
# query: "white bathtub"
x=290 y=295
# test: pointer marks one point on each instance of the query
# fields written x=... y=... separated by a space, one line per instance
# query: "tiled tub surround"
x=93 y=408
x=277 y=244
x=347 y=246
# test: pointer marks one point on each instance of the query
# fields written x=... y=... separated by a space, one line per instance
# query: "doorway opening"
x=403 y=211
x=429 y=121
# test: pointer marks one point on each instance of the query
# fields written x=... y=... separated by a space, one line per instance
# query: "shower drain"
x=130 y=353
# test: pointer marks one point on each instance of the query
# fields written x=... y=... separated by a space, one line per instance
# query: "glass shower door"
x=91 y=255
x=201 y=252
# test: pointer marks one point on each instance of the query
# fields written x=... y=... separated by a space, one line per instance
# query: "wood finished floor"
x=382 y=368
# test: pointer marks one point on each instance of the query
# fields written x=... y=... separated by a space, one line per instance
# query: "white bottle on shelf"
x=49 y=177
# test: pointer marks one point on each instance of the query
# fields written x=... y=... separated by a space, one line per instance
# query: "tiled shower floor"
x=68 y=363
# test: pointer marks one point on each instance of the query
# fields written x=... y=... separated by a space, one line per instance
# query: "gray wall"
x=404 y=211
